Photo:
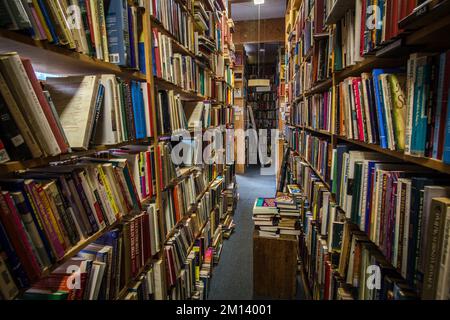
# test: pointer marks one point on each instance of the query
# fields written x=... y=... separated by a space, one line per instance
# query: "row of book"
x=72 y=113
x=313 y=111
x=404 y=111
x=354 y=37
x=48 y=211
x=103 y=269
x=398 y=208
x=315 y=150
x=111 y=31
x=335 y=254
x=176 y=20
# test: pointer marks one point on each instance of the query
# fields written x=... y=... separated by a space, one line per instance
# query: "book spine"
x=91 y=196
x=19 y=119
x=358 y=109
x=42 y=21
x=380 y=108
x=419 y=124
x=48 y=20
x=53 y=217
x=108 y=191
x=436 y=219
x=14 y=263
x=12 y=223
x=85 y=202
x=26 y=96
x=55 y=243
x=44 y=105
x=31 y=227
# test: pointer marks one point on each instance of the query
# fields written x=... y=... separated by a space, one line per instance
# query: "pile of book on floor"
x=231 y=197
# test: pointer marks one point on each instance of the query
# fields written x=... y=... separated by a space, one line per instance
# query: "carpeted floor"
x=233 y=277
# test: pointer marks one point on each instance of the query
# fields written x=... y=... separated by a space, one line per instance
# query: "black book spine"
x=11 y=136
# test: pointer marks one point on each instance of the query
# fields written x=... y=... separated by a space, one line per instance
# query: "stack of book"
x=289 y=212
x=265 y=217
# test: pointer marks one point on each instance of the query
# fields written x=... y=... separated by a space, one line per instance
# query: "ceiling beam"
x=271 y=30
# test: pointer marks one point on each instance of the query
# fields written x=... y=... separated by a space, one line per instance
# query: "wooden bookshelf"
x=425 y=30
x=338 y=10
x=57 y=60
x=13 y=166
x=184 y=94
x=319 y=87
x=430 y=163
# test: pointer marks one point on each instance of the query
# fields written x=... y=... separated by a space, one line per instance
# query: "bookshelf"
x=315 y=105
x=58 y=59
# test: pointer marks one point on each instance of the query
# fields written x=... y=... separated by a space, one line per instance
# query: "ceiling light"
x=258 y=2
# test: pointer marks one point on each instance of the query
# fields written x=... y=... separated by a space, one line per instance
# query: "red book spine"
x=137 y=237
x=395 y=18
x=57 y=247
x=89 y=16
x=359 y=119
x=13 y=225
x=389 y=23
x=44 y=105
x=133 y=248
x=146 y=240
x=157 y=57
x=319 y=16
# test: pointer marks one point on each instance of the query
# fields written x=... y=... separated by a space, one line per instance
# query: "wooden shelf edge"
x=13 y=166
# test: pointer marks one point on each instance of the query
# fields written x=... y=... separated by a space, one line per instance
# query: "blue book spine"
x=139 y=121
x=440 y=93
x=142 y=111
x=141 y=52
x=446 y=151
x=380 y=107
x=115 y=29
x=419 y=125
x=131 y=37
x=50 y=26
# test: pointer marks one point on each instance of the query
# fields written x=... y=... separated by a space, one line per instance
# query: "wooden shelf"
x=184 y=94
x=52 y=59
x=322 y=179
x=422 y=161
x=338 y=10
x=368 y=64
x=39 y=162
x=320 y=86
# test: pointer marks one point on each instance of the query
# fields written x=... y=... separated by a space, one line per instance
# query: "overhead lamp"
x=256 y=2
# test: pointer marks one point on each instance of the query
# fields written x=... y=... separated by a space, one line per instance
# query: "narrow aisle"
x=233 y=276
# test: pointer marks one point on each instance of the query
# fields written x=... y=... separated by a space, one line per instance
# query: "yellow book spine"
x=51 y=215
x=108 y=191
x=42 y=21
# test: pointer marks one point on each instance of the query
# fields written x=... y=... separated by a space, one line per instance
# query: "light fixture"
x=256 y=2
